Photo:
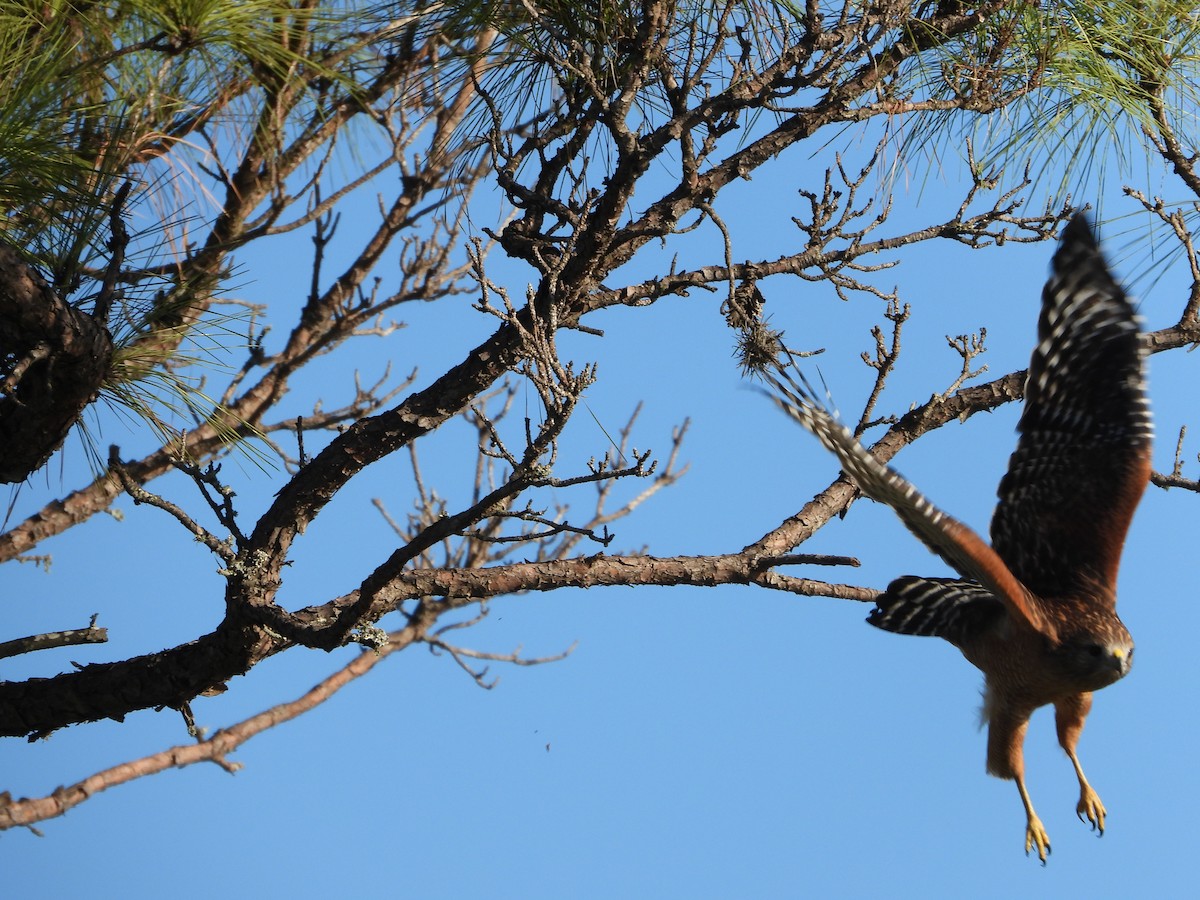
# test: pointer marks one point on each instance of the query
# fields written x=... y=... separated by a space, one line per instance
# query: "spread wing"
x=1083 y=457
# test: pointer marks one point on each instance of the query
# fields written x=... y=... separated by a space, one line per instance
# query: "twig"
x=89 y=635
x=37 y=353
x=1175 y=478
x=479 y=676
x=303 y=457
x=223 y=508
x=811 y=559
x=884 y=361
x=141 y=495
x=117 y=242
x=968 y=346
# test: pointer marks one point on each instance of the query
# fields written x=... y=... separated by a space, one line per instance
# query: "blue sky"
x=699 y=743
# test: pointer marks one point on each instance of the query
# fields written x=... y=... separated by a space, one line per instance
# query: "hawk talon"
x=1090 y=806
x=1036 y=836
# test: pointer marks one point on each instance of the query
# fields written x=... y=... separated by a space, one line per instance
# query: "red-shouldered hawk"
x=1035 y=611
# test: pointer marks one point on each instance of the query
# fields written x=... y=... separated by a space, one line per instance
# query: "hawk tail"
x=948 y=608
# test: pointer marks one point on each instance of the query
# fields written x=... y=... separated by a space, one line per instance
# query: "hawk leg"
x=1089 y=800
x=1069 y=716
x=1006 y=737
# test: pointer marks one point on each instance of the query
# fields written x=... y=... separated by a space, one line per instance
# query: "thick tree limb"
x=53 y=359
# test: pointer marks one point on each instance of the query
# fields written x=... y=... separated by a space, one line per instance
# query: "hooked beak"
x=1121 y=659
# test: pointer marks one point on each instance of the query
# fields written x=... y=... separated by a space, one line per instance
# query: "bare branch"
x=884 y=361
x=1175 y=477
x=117 y=242
x=89 y=635
x=141 y=495
x=461 y=654
x=968 y=346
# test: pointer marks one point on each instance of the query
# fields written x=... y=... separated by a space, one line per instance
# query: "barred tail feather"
x=948 y=608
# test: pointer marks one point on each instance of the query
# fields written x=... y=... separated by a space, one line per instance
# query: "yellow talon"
x=1090 y=806
x=1035 y=831
x=1035 y=836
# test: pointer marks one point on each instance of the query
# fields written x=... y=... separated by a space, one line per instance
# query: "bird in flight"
x=1035 y=610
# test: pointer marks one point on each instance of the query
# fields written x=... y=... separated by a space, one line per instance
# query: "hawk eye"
x=1095 y=649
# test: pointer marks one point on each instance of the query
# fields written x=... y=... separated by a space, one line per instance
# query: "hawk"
x=1036 y=610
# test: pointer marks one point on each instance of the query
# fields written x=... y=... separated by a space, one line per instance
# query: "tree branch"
x=33 y=643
